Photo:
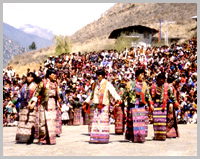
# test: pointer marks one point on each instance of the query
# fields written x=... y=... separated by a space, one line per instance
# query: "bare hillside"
x=128 y=14
x=94 y=36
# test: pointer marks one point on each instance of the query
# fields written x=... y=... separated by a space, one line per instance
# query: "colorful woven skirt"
x=100 y=126
x=36 y=135
x=26 y=126
x=91 y=116
x=77 y=117
x=58 y=122
x=159 y=122
x=85 y=118
x=119 y=118
x=135 y=128
x=71 y=117
x=146 y=122
x=47 y=128
x=47 y=123
x=172 y=126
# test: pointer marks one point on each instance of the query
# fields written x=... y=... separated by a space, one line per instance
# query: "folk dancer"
x=137 y=95
x=100 y=125
x=160 y=93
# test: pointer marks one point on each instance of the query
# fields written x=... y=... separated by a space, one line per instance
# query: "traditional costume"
x=27 y=117
x=137 y=95
x=119 y=116
x=100 y=124
x=172 y=124
x=47 y=111
x=160 y=97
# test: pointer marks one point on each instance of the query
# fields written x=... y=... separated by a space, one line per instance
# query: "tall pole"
x=166 y=32
x=160 y=37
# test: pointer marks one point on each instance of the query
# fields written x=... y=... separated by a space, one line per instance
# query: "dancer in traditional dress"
x=160 y=93
x=101 y=91
x=119 y=113
x=138 y=96
x=27 y=116
x=49 y=102
x=172 y=124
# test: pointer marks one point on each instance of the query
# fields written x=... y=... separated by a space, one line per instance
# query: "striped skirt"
x=47 y=128
x=71 y=117
x=119 y=121
x=77 y=117
x=146 y=122
x=135 y=128
x=91 y=116
x=172 y=126
x=100 y=126
x=26 y=126
x=159 y=122
x=58 y=122
x=85 y=118
x=47 y=123
x=36 y=135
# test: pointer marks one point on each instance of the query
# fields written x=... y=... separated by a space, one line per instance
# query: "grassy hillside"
x=32 y=60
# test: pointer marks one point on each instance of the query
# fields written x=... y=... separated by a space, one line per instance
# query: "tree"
x=63 y=44
x=124 y=42
x=32 y=46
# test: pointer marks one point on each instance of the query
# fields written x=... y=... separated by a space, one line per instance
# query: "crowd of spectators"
x=76 y=73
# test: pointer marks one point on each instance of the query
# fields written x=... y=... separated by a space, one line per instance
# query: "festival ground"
x=74 y=141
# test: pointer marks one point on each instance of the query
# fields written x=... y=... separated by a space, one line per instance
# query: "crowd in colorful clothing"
x=74 y=93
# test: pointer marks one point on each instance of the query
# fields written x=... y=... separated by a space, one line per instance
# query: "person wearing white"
x=110 y=90
x=101 y=91
x=65 y=115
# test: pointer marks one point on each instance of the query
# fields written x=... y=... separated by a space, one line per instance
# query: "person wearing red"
x=161 y=92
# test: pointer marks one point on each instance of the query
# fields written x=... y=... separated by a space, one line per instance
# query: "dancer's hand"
x=71 y=107
x=116 y=105
x=152 y=107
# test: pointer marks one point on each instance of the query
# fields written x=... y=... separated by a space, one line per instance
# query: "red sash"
x=102 y=90
x=33 y=87
x=39 y=98
x=88 y=110
x=142 y=94
x=153 y=90
x=144 y=86
x=84 y=108
x=114 y=111
x=165 y=95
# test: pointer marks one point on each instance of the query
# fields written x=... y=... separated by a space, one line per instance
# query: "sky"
x=60 y=18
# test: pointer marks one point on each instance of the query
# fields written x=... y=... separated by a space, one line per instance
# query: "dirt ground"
x=74 y=141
